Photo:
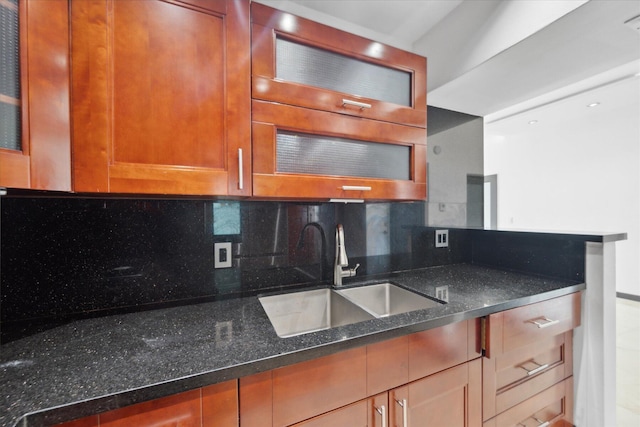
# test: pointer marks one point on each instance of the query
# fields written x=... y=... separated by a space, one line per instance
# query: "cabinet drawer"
x=524 y=325
x=354 y=415
x=311 y=388
x=309 y=154
x=553 y=406
x=296 y=61
x=515 y=376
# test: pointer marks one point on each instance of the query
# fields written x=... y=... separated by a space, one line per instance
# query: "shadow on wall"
x=455 y=168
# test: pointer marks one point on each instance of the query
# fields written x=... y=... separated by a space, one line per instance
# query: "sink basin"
x=297 y=313
x=386 y=299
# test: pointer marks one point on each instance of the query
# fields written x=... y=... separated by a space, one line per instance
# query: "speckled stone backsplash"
x=64 y=258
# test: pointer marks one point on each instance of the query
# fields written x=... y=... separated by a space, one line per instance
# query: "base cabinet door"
x=449 y=398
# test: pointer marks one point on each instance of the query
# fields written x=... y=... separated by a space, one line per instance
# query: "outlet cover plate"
x=222 y=255
x=442 y=238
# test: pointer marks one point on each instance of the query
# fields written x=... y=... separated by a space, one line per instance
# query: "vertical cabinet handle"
x=240 y=170
x=382 y=410
x=544 y=322
x=405 y=415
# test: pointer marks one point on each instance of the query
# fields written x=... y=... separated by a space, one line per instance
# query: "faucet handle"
x=352 y=271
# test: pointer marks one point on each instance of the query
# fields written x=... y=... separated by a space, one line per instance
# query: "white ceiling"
x=491 y=56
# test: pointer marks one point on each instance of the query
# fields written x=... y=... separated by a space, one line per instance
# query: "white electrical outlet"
x=442 y=238
x=222 y=255
x=442 y=293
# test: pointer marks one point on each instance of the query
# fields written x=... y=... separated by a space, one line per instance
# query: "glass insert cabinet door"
x=300 y=62
x=35 y=142
x=10 y=104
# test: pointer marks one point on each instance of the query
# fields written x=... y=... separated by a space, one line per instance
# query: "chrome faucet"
x=341 y=259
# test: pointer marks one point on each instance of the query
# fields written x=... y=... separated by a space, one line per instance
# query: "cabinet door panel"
x=519 y=374
x=449 y=398
x=332 y=70
x=256 y=400
x=354 y=415
x=387 y=365
x=161 y=96
x=311 y=388
x=180 y=410
x=220 y=405
x=521 y=326
x=438 y=349
x=269 y=181
x=43 y=160
x=553 y=405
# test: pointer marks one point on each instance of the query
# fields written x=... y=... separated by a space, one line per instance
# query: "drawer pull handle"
x=542 y=423
x=360 y=105
x=545 y=322
x=356 y=188
x=405 y=409
x=382 y=410
x=535 y=370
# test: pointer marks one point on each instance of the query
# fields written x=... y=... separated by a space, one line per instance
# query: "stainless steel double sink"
x=298 y=313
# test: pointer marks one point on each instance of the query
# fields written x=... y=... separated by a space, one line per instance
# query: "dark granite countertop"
x=100 y=364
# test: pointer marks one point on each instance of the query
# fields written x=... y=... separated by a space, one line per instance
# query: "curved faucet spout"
x=341 y=259
x=323 y=248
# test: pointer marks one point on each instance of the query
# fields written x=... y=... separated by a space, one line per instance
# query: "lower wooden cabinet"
x=426 y=376
x=431 y=378
x=552 y=407
x=212 y=406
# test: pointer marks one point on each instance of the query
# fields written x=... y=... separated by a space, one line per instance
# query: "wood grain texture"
x=387 y=365
x=449 y=398
x=83 y=422
x=437 y=349
x=180 y=410
x=268 y=22
x=161 y=96
x=256 y=400
x=220 y=405
x=44 y=161
x=553 y=405
x=268 y=182
x=506 y=383
x=511 y=329
x=354 y=415
x=311 y=388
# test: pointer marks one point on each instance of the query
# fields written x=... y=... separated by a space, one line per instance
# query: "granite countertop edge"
x=474 y=291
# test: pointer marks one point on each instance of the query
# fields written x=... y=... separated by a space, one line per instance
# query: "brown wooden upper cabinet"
x=334 y=115
x=35 y=149
x=161 y=96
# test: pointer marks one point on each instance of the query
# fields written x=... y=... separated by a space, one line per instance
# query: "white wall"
x=577 y=169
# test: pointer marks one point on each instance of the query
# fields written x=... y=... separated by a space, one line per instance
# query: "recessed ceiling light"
x=533 y=122
x=593 y=104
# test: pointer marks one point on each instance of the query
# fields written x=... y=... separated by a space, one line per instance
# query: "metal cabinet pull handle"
x=535 y=370
x=240 y=170
x=405 y=415
x=542 y=423
x=356 y=188
x=382 y=410
x=545 y=322
x=360 y=105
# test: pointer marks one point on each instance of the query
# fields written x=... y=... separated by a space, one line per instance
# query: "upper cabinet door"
x=303 y=63
x=35 y=142
x=161 y=96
